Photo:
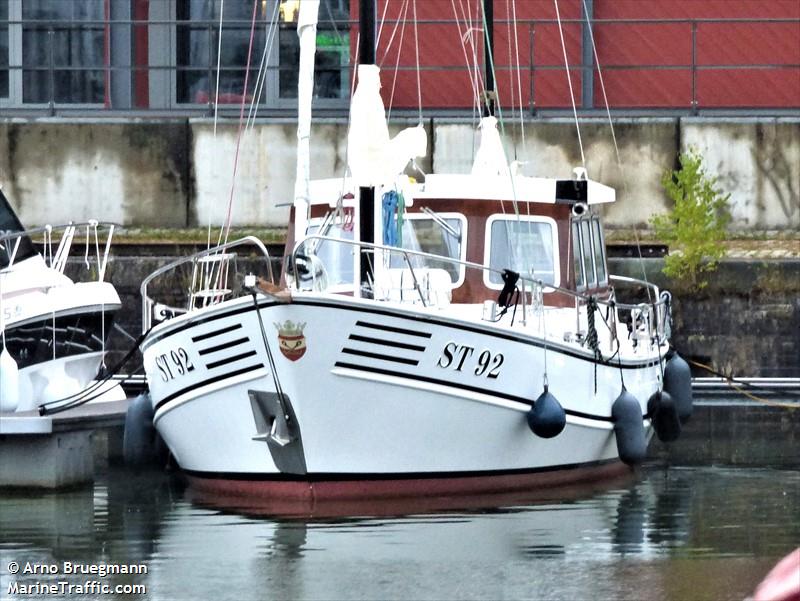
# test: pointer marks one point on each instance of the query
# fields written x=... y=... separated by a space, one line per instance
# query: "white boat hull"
x=378 y=393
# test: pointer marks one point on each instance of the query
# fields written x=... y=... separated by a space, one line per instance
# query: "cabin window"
x=526 y=245
x=589 y=250
x=338 y=258
x=577 y=259
x=586 y=247
x=599 y=253
x=423 y=234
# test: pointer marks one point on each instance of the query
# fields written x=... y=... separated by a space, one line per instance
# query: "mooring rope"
x=738 y=386
x=591 y=336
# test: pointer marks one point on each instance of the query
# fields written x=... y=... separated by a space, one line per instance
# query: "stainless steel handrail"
x=66 y=242
x=486 y=268
x=653 y=314
x=48 y=228
x=247 y=240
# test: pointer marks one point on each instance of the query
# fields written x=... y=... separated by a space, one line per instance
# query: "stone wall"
x=178 y=173
x=746 y=322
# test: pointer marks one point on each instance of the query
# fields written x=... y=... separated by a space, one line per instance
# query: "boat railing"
x=647 y=319
x=211 y=281
x=97 y=235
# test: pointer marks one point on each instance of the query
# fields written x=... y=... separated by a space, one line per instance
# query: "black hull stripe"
x=379 y=357
x=232 y=359
x=391 y=343
x=215 y=332
x=225 y=376
x=339 y=477
x=194 y=322
x=378 y=326
x=222 y=347
x=488 y=392
x=493 y=333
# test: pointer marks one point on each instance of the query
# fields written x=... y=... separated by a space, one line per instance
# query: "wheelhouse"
x=548 y=237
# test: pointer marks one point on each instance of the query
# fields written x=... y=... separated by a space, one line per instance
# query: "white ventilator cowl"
x=490 y=158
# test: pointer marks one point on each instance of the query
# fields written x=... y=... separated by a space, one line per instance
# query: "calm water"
x=677 y=534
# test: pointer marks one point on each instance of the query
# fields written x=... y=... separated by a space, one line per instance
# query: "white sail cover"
x=373 y=158
x=491 y=157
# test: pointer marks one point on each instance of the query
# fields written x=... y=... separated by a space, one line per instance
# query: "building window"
x=523 y=244
x=4 y=80
x=332 y=60
x=198 y=44
x=65 y=52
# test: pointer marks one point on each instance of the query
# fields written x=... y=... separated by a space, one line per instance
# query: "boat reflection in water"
x=668 y=534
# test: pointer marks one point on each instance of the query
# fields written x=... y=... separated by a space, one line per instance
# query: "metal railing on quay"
x=118 y=81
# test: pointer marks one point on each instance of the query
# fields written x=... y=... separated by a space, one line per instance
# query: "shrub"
x=696 y=225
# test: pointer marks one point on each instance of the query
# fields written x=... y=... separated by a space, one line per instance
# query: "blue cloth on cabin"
x=390 y=201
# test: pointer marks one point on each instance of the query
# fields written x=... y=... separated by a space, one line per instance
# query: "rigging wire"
x=511 y=66
x=472 y=74
x=519 y=78
x=614 y=138
x=404 y=17
x=471 y=29
x=381 y=23
x=397 y=24
x=216 y=92
x=227 y=227
x=569 y=81
x=416 y=46
x=263 y=69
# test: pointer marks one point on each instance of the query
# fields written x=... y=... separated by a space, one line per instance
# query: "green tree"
x=696 y=225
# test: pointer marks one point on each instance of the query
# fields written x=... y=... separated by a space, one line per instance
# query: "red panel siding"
x=748 y=43
x=645 y=88
x=551 y=89
x=752 y=88
x=629 y=44
x=696 y=9
x=646 y=64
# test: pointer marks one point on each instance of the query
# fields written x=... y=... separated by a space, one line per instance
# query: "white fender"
x=9 y=382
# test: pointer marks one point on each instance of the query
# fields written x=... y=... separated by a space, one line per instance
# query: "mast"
x=307 y=32
x=490 y=96
x=366 y=194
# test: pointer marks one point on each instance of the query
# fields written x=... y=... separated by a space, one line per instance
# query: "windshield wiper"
x=444 y=225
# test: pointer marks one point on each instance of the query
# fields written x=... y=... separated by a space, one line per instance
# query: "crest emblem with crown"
x=291 y=340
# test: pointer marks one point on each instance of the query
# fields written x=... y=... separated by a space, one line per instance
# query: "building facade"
x=184 y=56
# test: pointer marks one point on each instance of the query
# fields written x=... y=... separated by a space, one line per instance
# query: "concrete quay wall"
x=178 y=173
